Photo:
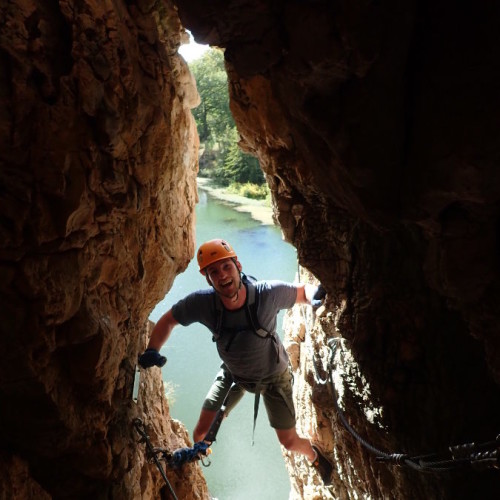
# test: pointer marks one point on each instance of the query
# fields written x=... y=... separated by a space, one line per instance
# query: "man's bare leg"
x=204 y=422
x=293 y=442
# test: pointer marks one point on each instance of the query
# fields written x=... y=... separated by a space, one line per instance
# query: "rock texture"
x=98 y=160
x=377 y=127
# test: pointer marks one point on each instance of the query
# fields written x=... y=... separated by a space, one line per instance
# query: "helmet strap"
x=235 y=297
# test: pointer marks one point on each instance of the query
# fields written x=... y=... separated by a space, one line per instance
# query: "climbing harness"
x=251 y=307
x=260 y=388
x=480 y=455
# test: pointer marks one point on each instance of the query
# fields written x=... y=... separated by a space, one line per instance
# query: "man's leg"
x=293 y=442
x=214 y=400
x=204 y=422
x=281 y=412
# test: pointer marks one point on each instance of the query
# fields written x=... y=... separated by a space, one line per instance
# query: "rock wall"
x=98 y=160
x=377 y=127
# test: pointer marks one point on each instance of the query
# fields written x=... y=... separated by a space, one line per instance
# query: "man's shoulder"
x=204 y=291
x=202 y=295
x=196 y=298
x=272 y=284
x=275 y=290
x=197 y=306
x=282 y=294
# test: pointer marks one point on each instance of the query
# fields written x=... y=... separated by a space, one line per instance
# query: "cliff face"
x=98 y=165
x=377 y=128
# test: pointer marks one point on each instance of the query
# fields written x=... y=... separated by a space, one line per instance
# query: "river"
x=238 y=470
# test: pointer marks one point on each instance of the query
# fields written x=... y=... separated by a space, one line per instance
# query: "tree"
x=224 y=161
x=213 y=116
x=238 y=166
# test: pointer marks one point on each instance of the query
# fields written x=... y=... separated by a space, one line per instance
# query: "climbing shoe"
x=323 y=466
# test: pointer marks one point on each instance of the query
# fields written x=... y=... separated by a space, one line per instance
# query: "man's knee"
x=203 y=425
x=199 y=432
x=287 y=443
x=287 y=438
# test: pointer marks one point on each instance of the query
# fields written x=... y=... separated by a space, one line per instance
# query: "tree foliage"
x=222 y=159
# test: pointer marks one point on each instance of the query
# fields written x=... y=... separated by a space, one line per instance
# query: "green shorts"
x=276 y=392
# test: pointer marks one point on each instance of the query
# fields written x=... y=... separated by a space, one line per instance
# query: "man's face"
x=225 y=277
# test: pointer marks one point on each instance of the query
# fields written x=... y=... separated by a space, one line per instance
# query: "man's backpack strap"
x=219 y=313
x=252 y=306
x=252 y=317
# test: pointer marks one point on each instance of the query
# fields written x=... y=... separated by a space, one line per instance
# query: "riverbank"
x=257 y=209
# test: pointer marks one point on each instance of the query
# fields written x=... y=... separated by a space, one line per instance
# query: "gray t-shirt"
x=248 y=357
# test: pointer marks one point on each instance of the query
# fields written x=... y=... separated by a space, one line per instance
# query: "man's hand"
x=151 y=357
x=318 y=296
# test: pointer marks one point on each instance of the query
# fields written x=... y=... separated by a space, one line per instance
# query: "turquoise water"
x=238 y=471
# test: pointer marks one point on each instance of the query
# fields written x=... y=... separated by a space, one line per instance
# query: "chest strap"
x=251 y=306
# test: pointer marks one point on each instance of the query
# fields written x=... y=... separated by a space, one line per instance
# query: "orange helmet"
x=213 y=251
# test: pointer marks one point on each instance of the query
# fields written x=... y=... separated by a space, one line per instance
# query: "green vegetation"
x=250 y=190
x=222 y=160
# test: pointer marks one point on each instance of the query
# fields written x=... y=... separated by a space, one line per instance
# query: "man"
x=252 y=353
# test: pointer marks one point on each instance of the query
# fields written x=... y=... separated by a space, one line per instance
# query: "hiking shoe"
x=323 y=466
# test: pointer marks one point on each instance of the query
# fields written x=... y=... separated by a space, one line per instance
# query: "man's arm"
x=160 y=334
x=310 y=294
x=304 y=293
x=162 y=330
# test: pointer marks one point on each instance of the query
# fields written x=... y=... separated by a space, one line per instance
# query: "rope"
x=484 y=455
x=153 y=453
x=424 y=463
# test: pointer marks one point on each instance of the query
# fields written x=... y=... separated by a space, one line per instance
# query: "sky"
x=192 y=50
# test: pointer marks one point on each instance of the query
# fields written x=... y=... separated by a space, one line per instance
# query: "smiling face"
x=224 y=276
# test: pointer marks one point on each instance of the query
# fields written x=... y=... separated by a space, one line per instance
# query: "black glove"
x=318 y=296
x=151 y=357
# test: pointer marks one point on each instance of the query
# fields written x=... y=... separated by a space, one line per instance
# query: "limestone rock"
x=98 y=159
x=377 y=128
